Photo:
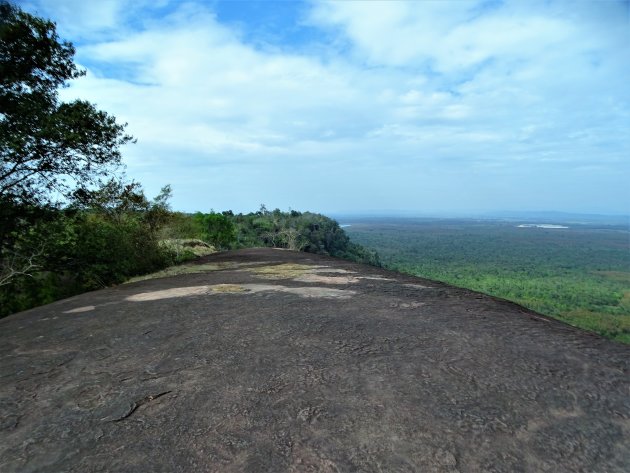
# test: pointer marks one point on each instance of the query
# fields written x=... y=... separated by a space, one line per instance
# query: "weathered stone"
x=317 y=365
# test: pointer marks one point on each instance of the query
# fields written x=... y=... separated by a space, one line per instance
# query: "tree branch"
x=17 y=265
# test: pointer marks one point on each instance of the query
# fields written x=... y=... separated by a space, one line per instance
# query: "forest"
x=75 y=248
x=580 y=274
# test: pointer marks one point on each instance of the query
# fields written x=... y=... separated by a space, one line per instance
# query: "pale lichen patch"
x=78 y=310
x=283 y=271
x=304 y=273
x=192 y=269
x=327 y=270
x=169 y=293
x=227 y=288
x=406 y=305
x=308 y=292
x=417 y=286
x=319 y=278
x=320 y=292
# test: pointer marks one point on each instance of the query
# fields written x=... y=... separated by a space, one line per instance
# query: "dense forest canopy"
x=579 y=274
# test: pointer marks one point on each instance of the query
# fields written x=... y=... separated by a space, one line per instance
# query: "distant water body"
x=540 y=225
x=345 y=225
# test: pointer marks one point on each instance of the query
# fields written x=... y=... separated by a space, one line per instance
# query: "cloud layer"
x=422 y=106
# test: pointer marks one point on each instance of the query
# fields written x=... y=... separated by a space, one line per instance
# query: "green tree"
x=217 y=229
x=47 y=147
x=116 y=198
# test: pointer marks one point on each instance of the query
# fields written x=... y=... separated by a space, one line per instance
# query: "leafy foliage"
x=299 y=231
x=51 y=152
x=217 y=229
x=85 y=246
x=47 y=147
x=293 y=230
x=113 y=233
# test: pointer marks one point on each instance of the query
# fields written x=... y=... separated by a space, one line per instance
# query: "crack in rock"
x=135 y=405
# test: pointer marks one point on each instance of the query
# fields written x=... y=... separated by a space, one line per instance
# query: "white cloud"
x=78 y=18
x=430 y=93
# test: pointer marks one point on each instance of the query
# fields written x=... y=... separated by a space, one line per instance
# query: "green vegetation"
x=293 y=230
x=68 y=220
x=48 y=148
x=117 y=234
x=51 y=252
x=302 y=231
x=580 y=275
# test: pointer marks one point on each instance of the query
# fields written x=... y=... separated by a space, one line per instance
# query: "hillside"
x=274 y=360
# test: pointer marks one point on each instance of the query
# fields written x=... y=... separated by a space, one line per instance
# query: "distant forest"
x=580 y=275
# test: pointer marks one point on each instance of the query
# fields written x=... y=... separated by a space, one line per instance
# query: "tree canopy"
x=47 y=147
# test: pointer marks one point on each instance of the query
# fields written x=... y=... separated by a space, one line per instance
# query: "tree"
x=292 y=239
x=217 y=229
x=116 y=198
x=15 y=264
x=47 y=148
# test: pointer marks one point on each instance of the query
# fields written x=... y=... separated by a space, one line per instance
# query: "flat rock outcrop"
x=271 y=360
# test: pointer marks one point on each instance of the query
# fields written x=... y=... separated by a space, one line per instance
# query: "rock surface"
x=271 y=360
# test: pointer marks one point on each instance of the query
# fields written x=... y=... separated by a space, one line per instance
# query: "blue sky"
x=446 y=107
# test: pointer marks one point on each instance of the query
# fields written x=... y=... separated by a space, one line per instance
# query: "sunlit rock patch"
x=418 y=286
x=315 y=292
x=283 y=271
x=193 y=269
x=170 y=293
x=289 y=270
x=320 y=278
x=78 y=310
x=269 y=270
x=227 y=288
x=297 y=272
x=406 y=305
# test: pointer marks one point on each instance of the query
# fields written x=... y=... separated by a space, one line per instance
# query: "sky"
x=417 y=107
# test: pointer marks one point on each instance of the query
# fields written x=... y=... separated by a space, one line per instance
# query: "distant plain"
x=579 y=274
